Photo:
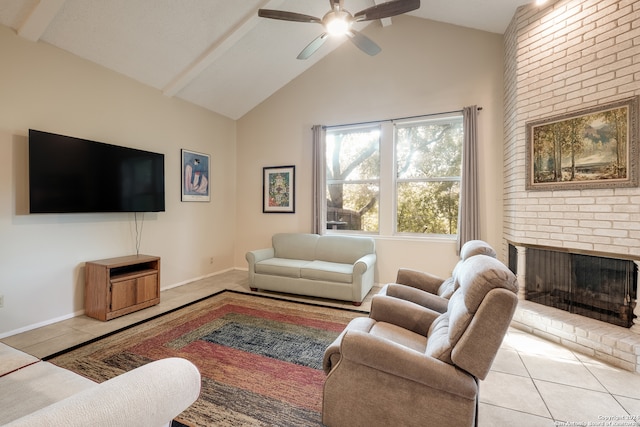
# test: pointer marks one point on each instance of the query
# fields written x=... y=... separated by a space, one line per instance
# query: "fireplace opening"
x=598 y=287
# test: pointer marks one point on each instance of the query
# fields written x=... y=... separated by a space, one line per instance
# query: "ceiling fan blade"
x=385 y=10
x=364 y=43
x=313 y=46
x=287 y=16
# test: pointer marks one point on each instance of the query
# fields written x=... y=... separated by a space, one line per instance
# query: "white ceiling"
x=214 y=53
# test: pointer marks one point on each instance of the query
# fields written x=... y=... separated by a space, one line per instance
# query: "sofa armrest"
x=393 y=359
x=332 y=352
x=151 y=395
x=256 y=256
x=364 y=263
x=409 y=293
x=363 y=276
x=259 y=255
x=406 y=314
x=419 y=279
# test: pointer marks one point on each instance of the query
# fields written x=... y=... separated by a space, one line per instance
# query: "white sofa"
x=38 y=393
x=334 y=267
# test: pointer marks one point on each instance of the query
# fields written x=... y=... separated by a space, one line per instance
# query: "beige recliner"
x=407 y=365
x=429 y=290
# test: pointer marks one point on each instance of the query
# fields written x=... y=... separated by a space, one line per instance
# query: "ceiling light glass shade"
x=338 y=24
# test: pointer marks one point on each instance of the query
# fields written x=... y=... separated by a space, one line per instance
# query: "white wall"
x=425 y=67
x=42 y=256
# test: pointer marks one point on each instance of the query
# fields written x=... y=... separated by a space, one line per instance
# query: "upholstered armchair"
x=429 y=290
x=407 y=365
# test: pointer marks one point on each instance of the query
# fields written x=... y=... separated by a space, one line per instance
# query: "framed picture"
x=195 y=177
x=278 y=188
x=593 y=148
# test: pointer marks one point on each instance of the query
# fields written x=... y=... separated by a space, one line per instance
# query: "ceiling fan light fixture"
x=338 y=24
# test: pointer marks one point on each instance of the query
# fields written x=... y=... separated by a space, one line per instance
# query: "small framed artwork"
x=195 y=177
x=592 y=148
x=278 y=188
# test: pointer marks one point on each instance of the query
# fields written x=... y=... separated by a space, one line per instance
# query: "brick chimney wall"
x=559 y=58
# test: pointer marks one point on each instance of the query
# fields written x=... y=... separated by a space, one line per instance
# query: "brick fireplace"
x=607 y=328
x=598 y=287
x=561 y=58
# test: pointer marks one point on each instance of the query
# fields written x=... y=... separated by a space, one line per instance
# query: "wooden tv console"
x=118 y=286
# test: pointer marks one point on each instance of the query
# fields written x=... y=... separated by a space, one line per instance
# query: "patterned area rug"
x=260 y=358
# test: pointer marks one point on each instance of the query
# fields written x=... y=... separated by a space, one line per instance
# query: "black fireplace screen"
x=597 y=287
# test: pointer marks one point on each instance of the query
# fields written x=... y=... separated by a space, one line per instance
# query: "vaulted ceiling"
x=217 y=54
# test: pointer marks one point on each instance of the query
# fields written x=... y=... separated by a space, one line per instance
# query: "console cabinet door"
x=123 y=294
x=127 y=293
x=147 y=288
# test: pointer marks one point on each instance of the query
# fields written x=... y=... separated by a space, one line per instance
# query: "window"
x=428 y=167
x=353 y=178
x=395 y=178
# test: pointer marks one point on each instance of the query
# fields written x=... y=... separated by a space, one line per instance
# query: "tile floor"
x=533 y=382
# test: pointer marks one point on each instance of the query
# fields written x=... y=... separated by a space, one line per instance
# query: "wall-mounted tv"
x=73 y=175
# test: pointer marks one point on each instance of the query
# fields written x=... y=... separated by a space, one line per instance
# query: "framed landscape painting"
x=195 y=177
x=278 y=187
x=593 y=148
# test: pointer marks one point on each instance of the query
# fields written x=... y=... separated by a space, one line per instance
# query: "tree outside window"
x=353 y=178
x=418 y=161
x=428 y=168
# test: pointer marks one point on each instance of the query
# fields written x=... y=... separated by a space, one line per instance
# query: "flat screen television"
x=73 y=175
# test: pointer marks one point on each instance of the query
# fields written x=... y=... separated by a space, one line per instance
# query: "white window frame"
x=378 y=181
x=430 y=119
x=388 y=180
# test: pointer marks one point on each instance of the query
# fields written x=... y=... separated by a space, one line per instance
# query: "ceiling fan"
x=339 y=21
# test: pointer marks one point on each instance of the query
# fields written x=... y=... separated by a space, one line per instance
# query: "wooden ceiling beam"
x=216 y=50
x=39 y=19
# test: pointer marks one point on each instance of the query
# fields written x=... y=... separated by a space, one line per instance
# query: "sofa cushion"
x=327 y=271
x=438 y=344
x=469 y=249
x=281 y=267
x=344 y=249
x=400 y=335
x=477 y=276
x=476 y=247
x=295 y=245
x=12 y=359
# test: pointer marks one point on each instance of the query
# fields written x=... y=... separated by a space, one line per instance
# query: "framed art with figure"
x=195 y=177
x=592 y=148
x=278 y=185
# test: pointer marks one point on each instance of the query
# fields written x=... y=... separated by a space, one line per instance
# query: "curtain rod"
x=398 y=118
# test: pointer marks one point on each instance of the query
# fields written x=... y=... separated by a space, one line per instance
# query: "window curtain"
x=319 y=172
x=468 y=221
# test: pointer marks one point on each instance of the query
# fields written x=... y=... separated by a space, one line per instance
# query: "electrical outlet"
x=211 y=260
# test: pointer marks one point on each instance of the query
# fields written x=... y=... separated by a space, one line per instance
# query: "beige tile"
x=46 y=333
x=561 y=370
x=512 y=392
x=42 y=349
x=632 y=406
x=496 y=416
x=508 y=361
x=529 y=344
x=576 y=405
x=615 y=380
